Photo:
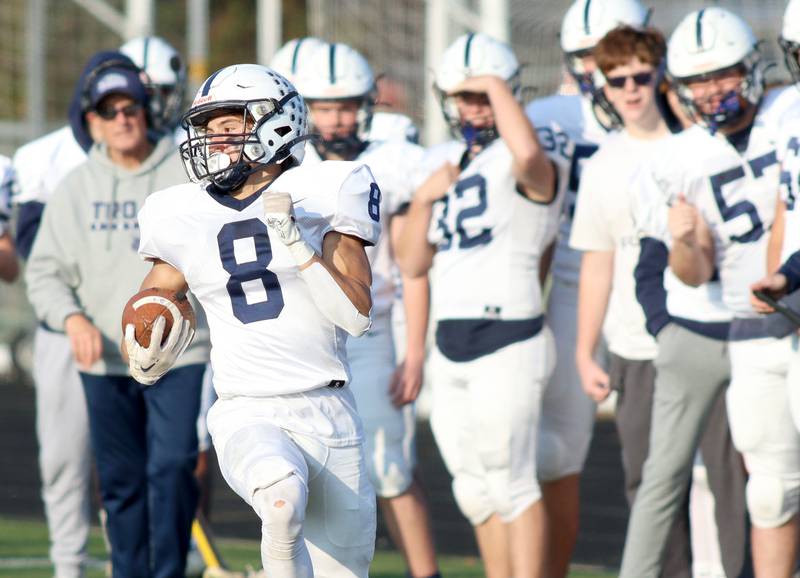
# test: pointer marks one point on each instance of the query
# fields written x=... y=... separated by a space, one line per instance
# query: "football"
x=144 y=308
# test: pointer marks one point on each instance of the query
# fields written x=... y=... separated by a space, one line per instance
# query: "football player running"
x=274 y=252
x=338 y=86
x=567 y=416
x=721 y=179
x=480 y=223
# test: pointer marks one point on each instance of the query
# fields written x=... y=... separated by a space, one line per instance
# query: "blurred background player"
x=62 y=425
x=385 y=125
x=568 y=126
x=280 y=267
x=338 y=86
x=488 y=209
x=165 y=80
x=9 y=264
x=722 y=179
x=144 y=440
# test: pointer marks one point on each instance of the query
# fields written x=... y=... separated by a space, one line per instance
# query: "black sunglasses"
x=640 y=79
x=110 y=113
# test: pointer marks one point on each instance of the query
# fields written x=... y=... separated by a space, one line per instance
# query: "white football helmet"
x=339 y=72
x=273 y=112
x=166 y=77
x=790 y=38
x=289 y=57
x=706 y=43
x=473 y=54
x=587 y=21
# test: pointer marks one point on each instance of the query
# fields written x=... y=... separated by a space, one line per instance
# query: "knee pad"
x=771 y=501
x=552 y=457
x=473 y=499
x=282 y=508
x=390 y=470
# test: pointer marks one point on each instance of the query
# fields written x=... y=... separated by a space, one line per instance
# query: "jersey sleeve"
x=157 y=233
x=397 y=186
x=590 y=230
x=358 y=206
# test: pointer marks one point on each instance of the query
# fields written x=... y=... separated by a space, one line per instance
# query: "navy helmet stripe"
x=146 y=50
x=207 y=85
x=586 y=16
x=332 y=63
x=296 y=55
x=468 y=48
x=698 y=28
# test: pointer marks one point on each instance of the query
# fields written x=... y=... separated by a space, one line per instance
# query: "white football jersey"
x=489 y=239
x=6 y=186
x=559 y=121
x=735 y=192
x=268 y=337
x=41 y=164
x=703 y=304
x=391 y=163
x=789 y=155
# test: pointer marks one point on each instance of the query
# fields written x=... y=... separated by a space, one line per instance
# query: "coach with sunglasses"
x=82 y=269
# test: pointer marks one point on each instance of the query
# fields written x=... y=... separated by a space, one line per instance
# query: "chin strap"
x=348 y=147
x=729 y=111
x=478 y=136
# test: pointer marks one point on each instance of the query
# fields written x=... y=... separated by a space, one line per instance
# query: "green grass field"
x=23 y=554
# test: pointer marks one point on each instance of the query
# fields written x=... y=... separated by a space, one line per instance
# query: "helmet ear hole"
x=283 y=130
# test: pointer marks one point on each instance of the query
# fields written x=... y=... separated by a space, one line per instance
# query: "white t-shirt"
x=392 y=164
x=735 y=192
x=604 y=222
x=567 y=128
x=489 y=238
x=268 y=337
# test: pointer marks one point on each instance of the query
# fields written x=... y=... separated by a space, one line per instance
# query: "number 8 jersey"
x=268 y=337
x=489 y=239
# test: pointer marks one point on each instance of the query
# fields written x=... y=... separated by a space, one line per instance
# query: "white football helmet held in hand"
x=273 y=114
x=166 y=77
x=710 y=43
x=148 y=364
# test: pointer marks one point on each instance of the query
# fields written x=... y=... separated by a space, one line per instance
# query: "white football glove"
x=148 y=364
x=279 y=213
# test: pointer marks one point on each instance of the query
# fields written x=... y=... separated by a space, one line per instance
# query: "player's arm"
x=9 y=265
x=775 y=245
x=148 y=364
x=339 y=280
x=532 y=168
x=692 y=255
x=594 y=291
x=413 y=251
x=407 y=379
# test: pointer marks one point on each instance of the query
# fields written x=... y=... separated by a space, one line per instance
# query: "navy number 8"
x=250 y=271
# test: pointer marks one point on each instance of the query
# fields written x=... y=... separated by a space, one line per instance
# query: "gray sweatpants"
x=692 y=374
x=62 y=426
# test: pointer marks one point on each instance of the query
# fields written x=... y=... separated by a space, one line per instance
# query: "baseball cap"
x=117 y=81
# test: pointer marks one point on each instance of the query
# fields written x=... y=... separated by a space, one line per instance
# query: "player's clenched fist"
x=437 y=184
x=279 y=213
x=683 y=219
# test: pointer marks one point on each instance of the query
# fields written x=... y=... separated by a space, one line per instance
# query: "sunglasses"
x=110 y=113
x=640 y=79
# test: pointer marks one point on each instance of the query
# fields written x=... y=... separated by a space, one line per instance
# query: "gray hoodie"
x=85 y=260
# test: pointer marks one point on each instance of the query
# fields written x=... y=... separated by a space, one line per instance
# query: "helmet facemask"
x=349 y=146
x=266 y=140
x=734 y=104
x=464 y=130
x=590 y=84
x=791 y=55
